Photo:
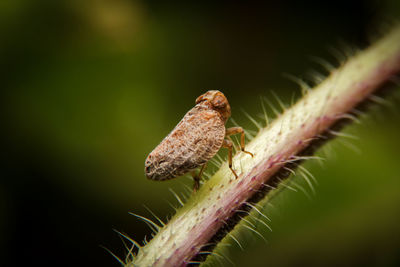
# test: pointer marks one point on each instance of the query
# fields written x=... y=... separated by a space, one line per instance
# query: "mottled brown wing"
x=194 y=141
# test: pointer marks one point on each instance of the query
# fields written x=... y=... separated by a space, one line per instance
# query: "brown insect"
x=195 y=140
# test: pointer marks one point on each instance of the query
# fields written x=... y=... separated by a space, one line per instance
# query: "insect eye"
x=219 y=101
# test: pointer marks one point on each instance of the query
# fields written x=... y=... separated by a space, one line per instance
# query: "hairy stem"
x=215 y=209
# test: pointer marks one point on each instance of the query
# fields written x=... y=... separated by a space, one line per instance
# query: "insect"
x=195 y=140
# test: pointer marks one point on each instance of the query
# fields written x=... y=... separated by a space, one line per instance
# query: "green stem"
x=214 y=209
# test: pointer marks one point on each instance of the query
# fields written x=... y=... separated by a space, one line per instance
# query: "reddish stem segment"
x=214 y=205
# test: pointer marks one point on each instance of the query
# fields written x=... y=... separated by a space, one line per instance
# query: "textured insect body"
x=194 y=141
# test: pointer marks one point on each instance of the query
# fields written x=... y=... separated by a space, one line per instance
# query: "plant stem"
x=214 y=210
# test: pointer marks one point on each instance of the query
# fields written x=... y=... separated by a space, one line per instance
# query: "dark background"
x=89 y=88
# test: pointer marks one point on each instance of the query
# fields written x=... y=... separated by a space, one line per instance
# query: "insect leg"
x=197 y=178
x=228 y=144
x=236 y=130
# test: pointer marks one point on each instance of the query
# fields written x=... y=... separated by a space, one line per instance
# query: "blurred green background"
x=89 y=88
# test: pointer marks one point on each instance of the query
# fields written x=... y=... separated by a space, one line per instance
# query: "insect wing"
x=203 y=137
x=195 y=140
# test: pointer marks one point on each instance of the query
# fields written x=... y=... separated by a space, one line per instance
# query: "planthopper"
x=195 y=140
